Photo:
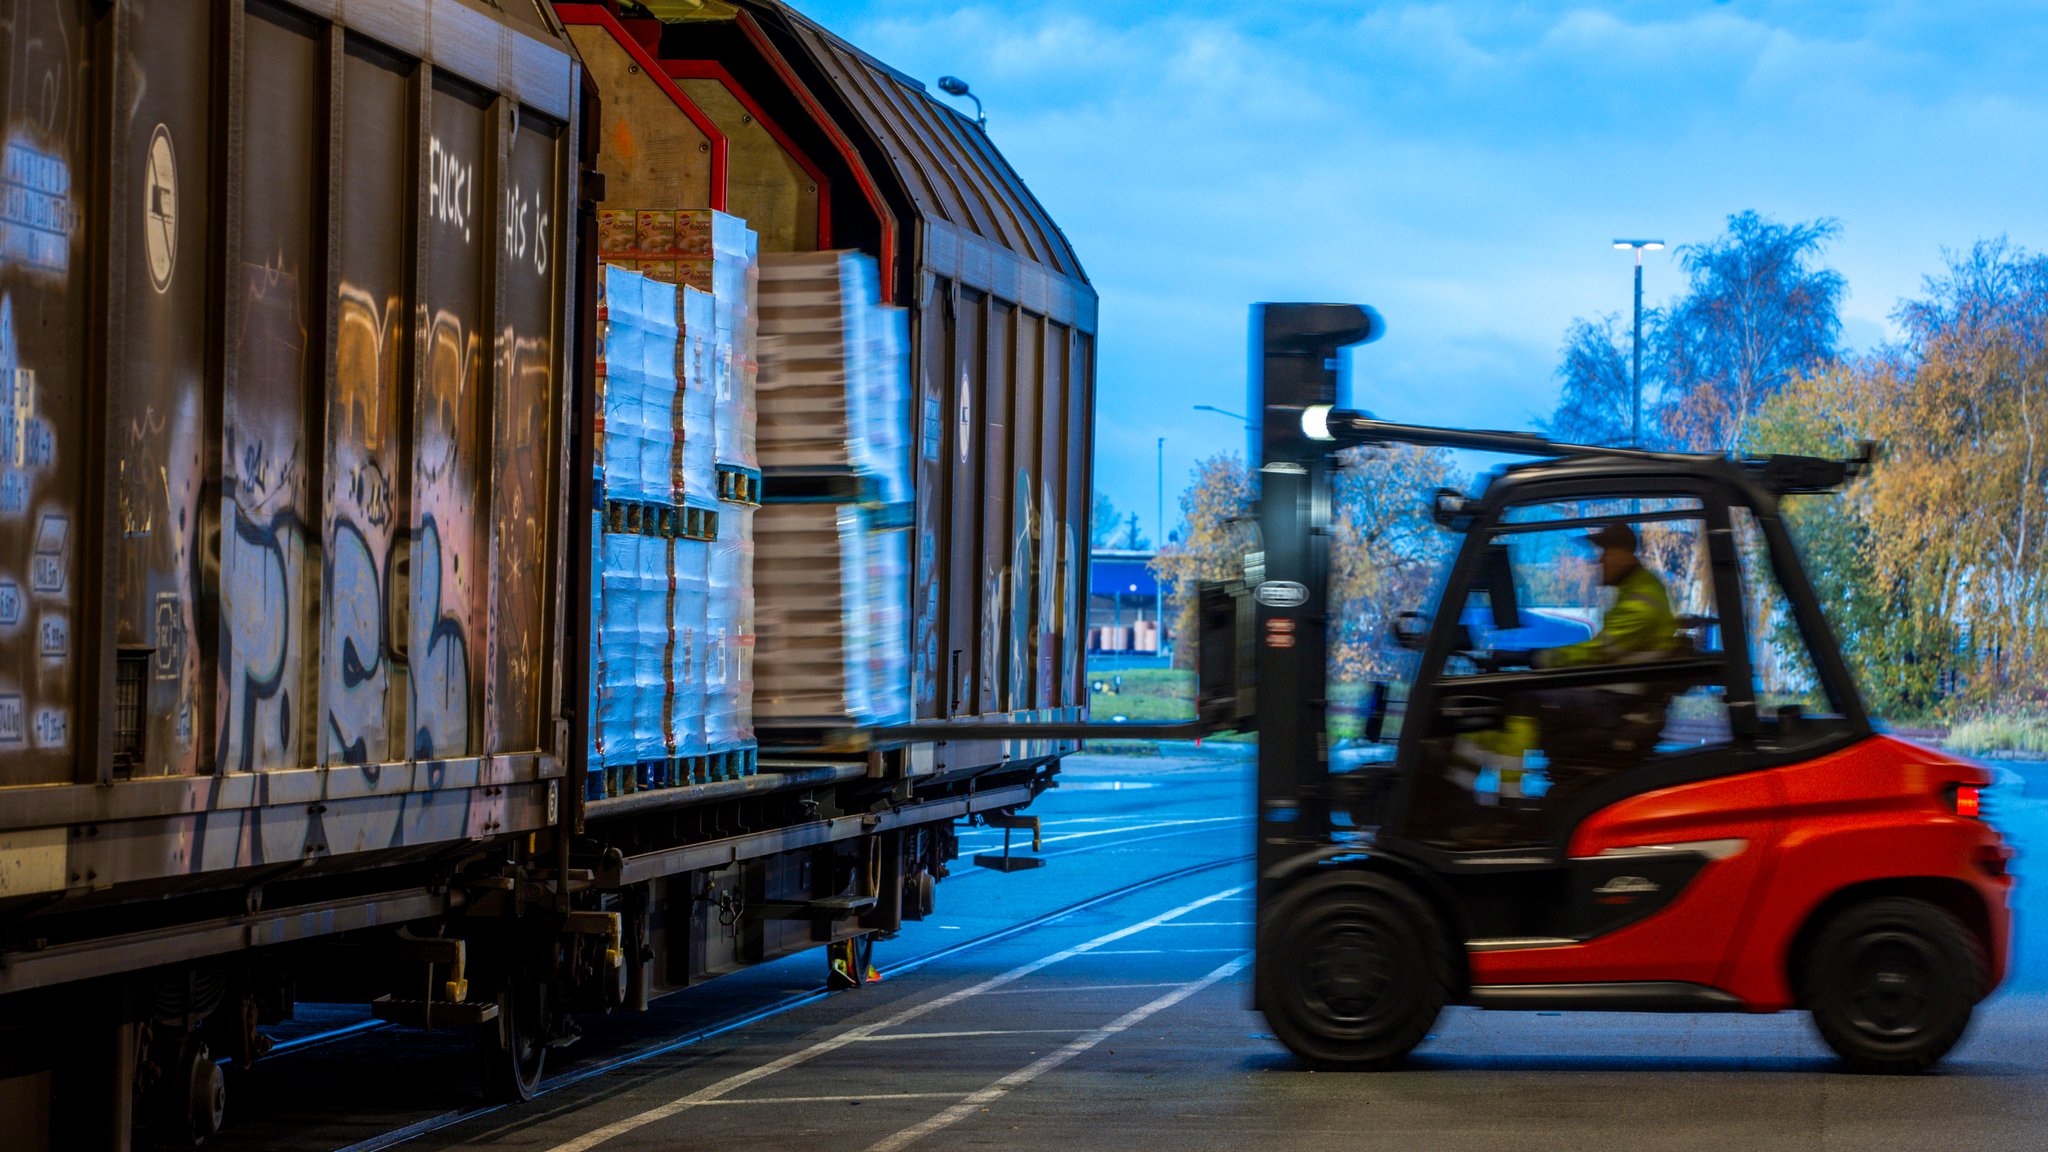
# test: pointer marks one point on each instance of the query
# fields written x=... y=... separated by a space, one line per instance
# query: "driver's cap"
x=1614 y=535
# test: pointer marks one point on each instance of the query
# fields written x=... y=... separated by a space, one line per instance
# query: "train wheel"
x=1892 y=983
x=1352 y=971
x=513 y=1048
x=192 y=1097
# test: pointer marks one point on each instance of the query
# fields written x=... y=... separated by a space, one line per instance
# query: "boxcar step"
x=432 y=1013
x=826 y=908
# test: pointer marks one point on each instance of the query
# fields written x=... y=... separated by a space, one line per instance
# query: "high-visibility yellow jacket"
x=1640 y=622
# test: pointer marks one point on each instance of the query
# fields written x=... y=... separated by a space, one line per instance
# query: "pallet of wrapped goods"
x=689 y=579
x=718 y=254
x=730 y=629
x=695 y=481
x=638 y=386
x=833 y=392
x=831 y=609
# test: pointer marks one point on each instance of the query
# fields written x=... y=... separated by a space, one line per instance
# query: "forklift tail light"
x=1969 y=801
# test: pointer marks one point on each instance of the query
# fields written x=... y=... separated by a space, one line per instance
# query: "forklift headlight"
x=1315 y=422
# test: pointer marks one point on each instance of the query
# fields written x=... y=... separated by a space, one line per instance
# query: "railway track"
x=582 y=1072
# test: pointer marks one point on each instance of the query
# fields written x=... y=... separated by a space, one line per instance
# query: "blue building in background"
x=1124 y=606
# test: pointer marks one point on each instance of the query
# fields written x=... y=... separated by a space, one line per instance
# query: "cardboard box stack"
x=675 y=367
x=832 y=578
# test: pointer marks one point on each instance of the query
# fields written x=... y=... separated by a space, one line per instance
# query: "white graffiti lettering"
x=526 y=229
x=451 y=189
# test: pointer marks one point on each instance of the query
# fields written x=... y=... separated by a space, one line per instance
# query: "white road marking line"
x=974 y=1032
x=1052 y=1060
x=1082 y=988
x=834 y=1099
x=739 y=1080
x=1164 y=951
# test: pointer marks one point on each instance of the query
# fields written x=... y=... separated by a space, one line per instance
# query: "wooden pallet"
x=688 y=522
x=739 y=485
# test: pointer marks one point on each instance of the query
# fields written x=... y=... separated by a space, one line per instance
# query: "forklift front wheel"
x=1891 y=983
x=1353 y=968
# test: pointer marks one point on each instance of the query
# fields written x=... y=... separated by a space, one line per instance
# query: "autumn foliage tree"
x=1385 y=551
x=1934 y=564
x=1216 y=532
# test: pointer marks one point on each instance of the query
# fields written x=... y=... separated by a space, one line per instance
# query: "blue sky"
x=1463 y=167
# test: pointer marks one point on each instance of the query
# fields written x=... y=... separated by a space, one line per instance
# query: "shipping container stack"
x=833 y=532
x=671 y=602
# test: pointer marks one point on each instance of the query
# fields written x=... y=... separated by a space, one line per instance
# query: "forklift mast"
x=1297 y=366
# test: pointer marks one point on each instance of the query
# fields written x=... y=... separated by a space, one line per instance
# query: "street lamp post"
x=1158 y=545
x=954 y=86
x=1636 y=347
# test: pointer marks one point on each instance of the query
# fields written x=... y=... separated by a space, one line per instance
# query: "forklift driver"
x=1639 y=622
x=1592 y=733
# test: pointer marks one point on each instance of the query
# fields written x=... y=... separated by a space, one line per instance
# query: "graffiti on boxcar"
x=526 y=228
x=365 y=545
x=1023 y=587
x=521 y=468
x=1048 y=595
x=440 y=666
x=446 y=610
x=264 y=540
x=451 y=187
x=257 y=602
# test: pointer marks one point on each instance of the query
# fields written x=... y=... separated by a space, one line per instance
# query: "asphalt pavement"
x=1127 y=1025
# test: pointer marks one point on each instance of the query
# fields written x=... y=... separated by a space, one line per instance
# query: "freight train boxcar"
x=297 y=331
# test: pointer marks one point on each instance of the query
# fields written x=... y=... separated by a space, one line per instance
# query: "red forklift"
x=1712 y=827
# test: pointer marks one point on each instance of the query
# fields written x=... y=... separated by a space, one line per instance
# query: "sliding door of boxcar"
x=271 y=458
x=363 y=671
x=530 y=285
x=1079 y=377
x=164 y=410
x=965 y=577
x=1053 y=522
x=45 y=109
x=1000 y=360
x=1026 y=525
x=445 y=642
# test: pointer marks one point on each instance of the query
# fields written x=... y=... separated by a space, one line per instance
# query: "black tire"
x=1353 y=968
x=511 y=1049
x=1891 y=983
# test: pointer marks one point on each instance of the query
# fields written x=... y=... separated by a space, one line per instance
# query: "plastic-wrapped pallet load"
x=730 y=623
x=696 y=482
x=639 y=386
x=834 y=387
x=619 y=634
x=715 y=253
x=688 y=697
x=650 y=652
x=834 y=644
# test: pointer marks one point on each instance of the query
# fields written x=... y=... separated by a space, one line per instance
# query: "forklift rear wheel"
x=1891 y=983
x=1353 y=969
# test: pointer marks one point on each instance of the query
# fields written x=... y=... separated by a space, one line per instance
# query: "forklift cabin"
x=1695 y=849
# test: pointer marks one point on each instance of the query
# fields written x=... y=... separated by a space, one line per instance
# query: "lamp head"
x=952 y=86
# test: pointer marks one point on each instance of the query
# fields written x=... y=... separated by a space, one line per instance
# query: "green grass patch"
x=2021 y=734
